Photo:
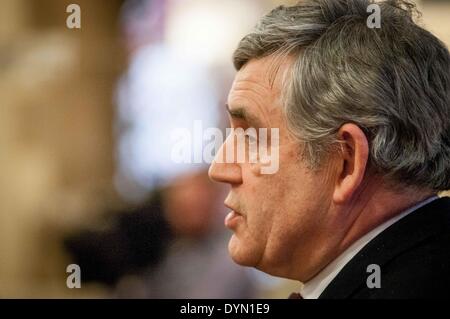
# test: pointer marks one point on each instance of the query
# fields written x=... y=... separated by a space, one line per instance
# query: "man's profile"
x=364 y=148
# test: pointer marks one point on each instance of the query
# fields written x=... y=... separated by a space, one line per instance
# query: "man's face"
x=279 y=218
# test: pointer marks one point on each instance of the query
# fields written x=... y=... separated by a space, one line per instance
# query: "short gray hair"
x=393 y=82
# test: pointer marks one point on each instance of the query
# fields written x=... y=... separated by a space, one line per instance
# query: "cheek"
x=265 y=208
x=248 y=243
x=283 y=202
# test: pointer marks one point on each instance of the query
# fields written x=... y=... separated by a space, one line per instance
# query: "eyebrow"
x=242 y=114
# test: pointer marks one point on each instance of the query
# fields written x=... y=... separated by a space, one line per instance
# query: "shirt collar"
x=315 y=286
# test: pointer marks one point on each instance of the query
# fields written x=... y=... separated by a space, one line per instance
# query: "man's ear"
x=351 y=162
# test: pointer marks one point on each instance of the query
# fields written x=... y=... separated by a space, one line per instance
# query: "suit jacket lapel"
x=410 y=231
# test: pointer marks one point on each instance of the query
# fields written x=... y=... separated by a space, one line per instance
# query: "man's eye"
x=252 y=138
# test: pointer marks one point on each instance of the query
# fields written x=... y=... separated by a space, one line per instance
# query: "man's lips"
x=233 y=217
x=230 y=206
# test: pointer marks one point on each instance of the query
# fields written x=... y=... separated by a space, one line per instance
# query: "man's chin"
x=241 y=253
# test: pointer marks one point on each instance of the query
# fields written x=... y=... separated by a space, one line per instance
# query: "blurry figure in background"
x=168 y=247
x=122 y=243
x=196 y=264
x=171 y=247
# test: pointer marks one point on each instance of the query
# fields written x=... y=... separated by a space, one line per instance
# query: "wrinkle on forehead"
x=269 y=71
x=262 y=81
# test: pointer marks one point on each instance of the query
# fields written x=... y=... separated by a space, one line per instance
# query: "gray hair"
x=393 y=82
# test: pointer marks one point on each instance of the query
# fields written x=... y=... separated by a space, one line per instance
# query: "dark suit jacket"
x=413 y=255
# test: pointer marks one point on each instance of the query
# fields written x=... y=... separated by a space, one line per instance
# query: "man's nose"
x=222 y=171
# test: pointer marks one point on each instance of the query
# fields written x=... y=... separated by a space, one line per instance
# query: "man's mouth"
x=233 y=218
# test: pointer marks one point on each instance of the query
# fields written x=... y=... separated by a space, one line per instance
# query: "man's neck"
x=315 y=286
x=380 y=206
x=373 y=206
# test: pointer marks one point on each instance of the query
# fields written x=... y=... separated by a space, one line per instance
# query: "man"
x=364 y=147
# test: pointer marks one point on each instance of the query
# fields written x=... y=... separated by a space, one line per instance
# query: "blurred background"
x=78 y=180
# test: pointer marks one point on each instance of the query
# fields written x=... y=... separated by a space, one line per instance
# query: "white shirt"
x=314 y=287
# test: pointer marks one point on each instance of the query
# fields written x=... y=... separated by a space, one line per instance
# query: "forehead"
x=260 y=79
